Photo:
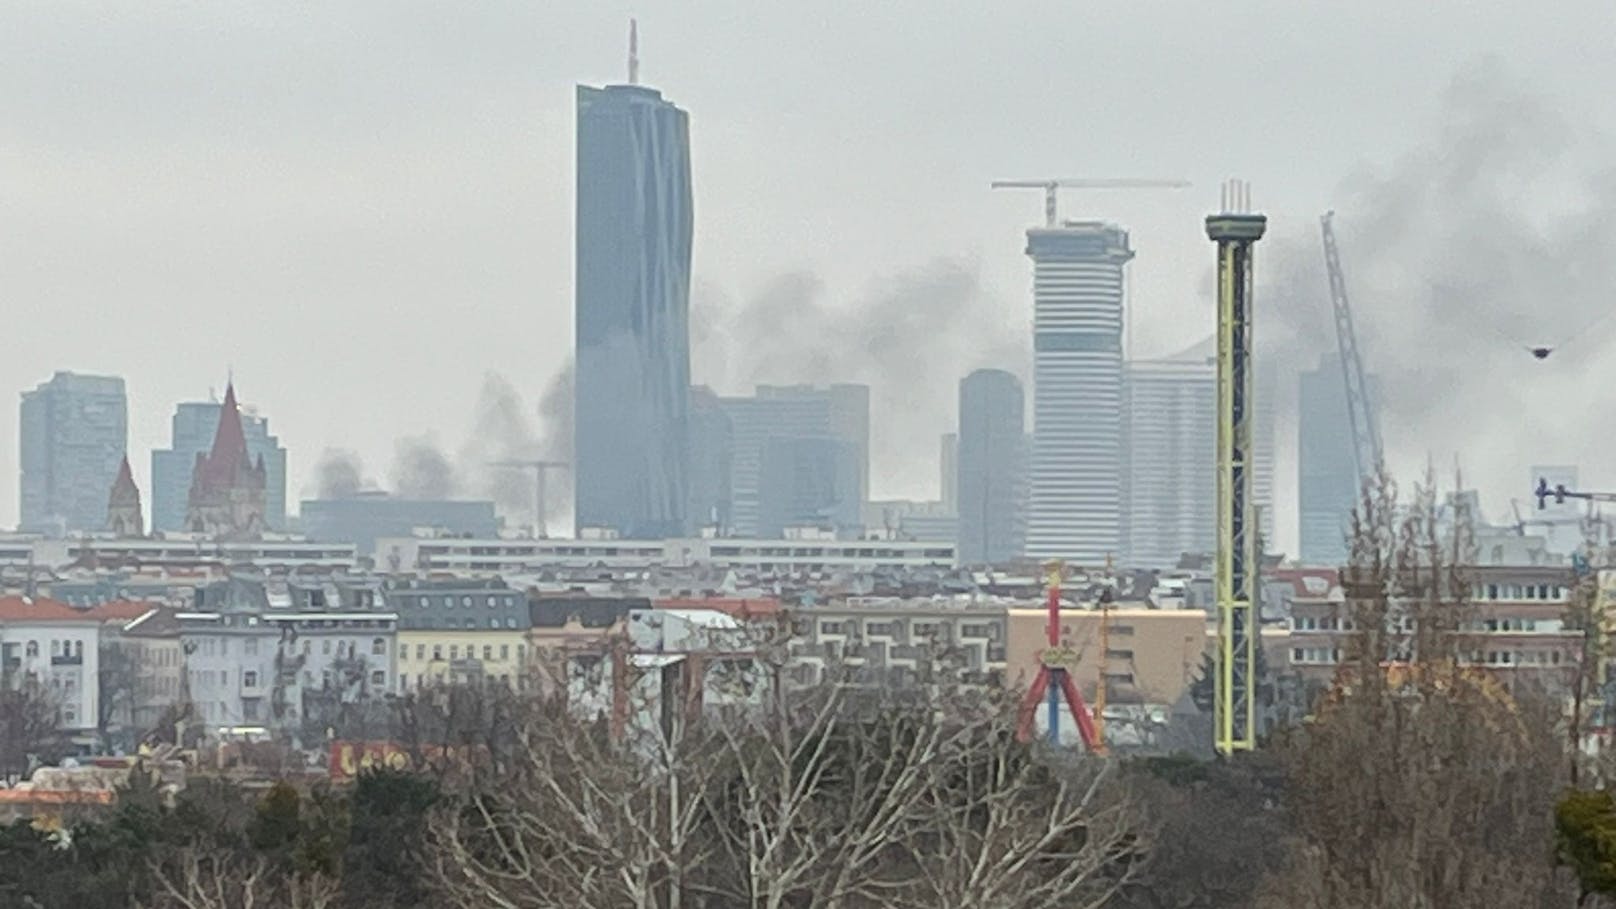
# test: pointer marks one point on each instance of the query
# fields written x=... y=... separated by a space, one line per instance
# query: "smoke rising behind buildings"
x=421 y=470
x=339 y=474
x=1492 y=234
x=910 y=336
x=505 y=429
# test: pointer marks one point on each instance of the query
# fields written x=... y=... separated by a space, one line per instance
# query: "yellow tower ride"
x=1236 y=230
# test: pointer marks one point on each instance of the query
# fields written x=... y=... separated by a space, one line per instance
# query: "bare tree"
x=835 y=797
x=217 y=878
x=116 y=681
x=1422 y=782
x=29 y=731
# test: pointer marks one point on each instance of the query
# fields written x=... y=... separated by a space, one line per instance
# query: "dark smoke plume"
x=340 y=474
x=556 y=424
x=421 y=470
x=1493 y=235
x=505 y=430
x=911 y=337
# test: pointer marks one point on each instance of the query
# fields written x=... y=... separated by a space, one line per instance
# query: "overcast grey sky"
x=364 y=206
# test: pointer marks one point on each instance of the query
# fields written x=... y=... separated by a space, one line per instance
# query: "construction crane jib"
x=1052 y=186
x=1366 y=450
x=1235 y=230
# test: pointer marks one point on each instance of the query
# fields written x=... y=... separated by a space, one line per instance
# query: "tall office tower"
x=786 y=412
x=1327 y=474
x=192 y=429
x=710 y=455
x=631 y=463
x=74 y=430
x=1075 y=504
x=1171 y=501
x=991 y=481
x=809 y=481
x=948 y=466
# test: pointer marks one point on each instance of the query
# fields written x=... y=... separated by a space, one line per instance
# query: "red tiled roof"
x=38 y=609
x=736 y=607
x=1307 y=583
x=119 y=610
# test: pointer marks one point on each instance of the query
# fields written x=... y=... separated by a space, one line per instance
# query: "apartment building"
x=898 y=640
x=1514 y=626
x=458 y=631
x=1146 y=655
x=49 y=643
x=258 y=657
x=801 y=552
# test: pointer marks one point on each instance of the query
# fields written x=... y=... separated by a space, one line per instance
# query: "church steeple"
x=227 y=487
x=124 y=517
x=229 y=439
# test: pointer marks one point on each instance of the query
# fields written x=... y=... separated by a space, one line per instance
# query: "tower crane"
x=540 y=469
x=1366 y=450
x=1052 y=186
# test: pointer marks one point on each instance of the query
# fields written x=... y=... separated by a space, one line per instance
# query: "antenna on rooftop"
x=633 y=52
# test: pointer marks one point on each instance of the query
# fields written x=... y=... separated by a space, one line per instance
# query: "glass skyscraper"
x=1074 y=510
x=634 y=229
x=990 y=459
x=1327 y=474
x=74 y=431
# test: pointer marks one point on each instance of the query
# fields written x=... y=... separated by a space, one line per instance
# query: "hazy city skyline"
x=364 y=210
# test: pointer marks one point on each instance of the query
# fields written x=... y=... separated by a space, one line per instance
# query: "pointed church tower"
x=227 y=487
x=124 y=517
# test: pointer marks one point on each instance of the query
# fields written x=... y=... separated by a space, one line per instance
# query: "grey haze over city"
x=364 y=211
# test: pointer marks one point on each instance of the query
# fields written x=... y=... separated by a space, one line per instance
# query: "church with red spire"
x=124 y=517
x=227 y=486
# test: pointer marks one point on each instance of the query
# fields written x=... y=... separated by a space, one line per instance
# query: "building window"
x=32 y=649
x=488 y=651
x=378 y=646
x=491 y=602
x=249 y=679
x=325 y=647
x=520 y=653
x=250 y=647
x=493 y=623
x=378 y=678
x=437 y=651
x=465 y=601
x=504 y=651
x=510 y=621
x=224 y=677
x=403 y=681
x=454 y=651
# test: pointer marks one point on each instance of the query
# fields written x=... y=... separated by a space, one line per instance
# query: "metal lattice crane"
x=1052 y=186
x=1366 y=450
